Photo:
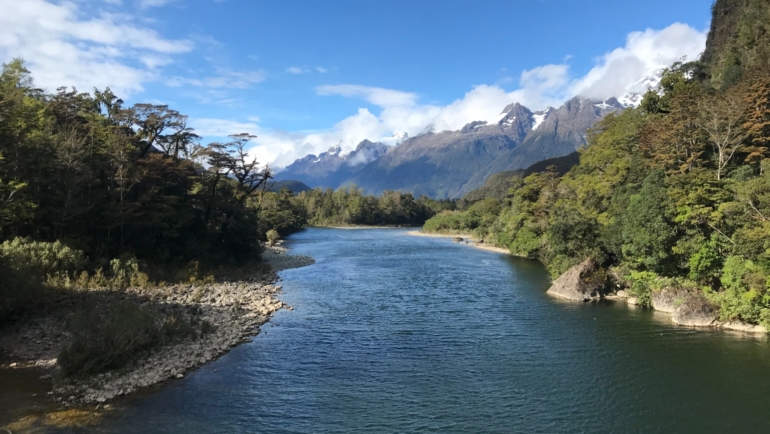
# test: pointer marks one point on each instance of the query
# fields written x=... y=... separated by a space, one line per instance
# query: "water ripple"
x=392 y=333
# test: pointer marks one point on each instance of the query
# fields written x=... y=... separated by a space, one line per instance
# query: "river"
x=395 y=333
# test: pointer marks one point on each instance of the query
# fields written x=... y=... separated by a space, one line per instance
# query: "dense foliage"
x=109 y=180
x=739 y=39
x=347 y=206
x=95 y=195
x=676 y=192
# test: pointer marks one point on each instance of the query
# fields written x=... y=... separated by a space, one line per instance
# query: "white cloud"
x=614 y=74
x=618 y=71
x=220 y=128
x=63 y=48
x=375 y=95
x=299 y=70
x=225 y=78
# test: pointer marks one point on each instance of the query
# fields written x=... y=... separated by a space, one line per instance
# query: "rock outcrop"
x=668 y=299
x=688 y=307
x=695 y=311
x=579 y=283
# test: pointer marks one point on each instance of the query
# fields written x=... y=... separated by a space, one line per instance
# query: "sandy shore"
x=235 y=309
x=466 y=239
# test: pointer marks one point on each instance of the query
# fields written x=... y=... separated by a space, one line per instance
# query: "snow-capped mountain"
x=636 y=91
x=333 y=167
x=539 y=116
x=449 y=164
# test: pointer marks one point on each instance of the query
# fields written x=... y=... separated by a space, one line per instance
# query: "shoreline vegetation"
x=234 y=309
x=669 y=203
x=122 y=236
x=462 y=238
x=670 y=197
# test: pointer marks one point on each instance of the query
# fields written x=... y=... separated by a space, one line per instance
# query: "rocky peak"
x=539 y=116
x=365 y=152
x=636 y=91
x=516 y=121
x=473 y=126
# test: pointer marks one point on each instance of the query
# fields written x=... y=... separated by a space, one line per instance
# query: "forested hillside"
x=739 y=40
x=675 y=193
x=347 y=206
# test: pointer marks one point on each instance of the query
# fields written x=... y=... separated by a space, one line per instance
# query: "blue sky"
x=305 y=75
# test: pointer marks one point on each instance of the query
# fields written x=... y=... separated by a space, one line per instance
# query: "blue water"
x=394 y=333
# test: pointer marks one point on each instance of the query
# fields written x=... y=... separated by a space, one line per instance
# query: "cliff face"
x=739 y=40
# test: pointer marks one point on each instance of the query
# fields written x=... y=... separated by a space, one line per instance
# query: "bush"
x=27 y=266
x=40 y=259
x=272 y=236
x=643 y=283
x=125 y=273
x=104 y=339
x=744 y=296
x=108 y=336
x=17 y=291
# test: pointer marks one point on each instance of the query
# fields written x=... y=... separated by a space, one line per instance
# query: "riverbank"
x=234 y=309
x=365 y=227
x=465 y=239
x=687 y=307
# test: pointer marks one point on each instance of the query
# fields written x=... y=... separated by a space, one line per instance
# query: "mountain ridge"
x=450 y=164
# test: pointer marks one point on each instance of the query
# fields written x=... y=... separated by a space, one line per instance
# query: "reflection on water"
x=392 y=333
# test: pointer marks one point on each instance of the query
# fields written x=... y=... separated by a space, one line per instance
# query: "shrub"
x=272 y=236
x=744 y=296
x=643 y=283
x=107 y=336
x=27 y=266
x=17 y=291
x=41 y=259
x=125 y=273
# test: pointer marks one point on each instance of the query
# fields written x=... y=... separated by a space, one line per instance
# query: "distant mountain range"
x=450 y=164
x=295 y=187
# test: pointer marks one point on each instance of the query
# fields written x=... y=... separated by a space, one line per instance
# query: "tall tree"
x=721 y=116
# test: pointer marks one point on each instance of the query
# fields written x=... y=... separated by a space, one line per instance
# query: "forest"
x=89 y=186
x=347 y=206
x=93 y=192
x=674 y=193
x=97 y=197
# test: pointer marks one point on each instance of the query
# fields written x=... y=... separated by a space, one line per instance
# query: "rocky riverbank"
x=235 y=310
x=463 y=239
x=687 y=307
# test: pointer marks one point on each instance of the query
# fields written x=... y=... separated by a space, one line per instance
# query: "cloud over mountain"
x=615 y=73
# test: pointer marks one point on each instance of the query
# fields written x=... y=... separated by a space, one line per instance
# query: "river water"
x=394 y=333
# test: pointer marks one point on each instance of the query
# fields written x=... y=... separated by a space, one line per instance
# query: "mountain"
x=332 y=168
x=497 y=185
x=293 y=186
x=739 y=40
x=449 y=164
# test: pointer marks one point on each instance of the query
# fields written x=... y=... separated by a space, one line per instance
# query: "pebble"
x=235 y=309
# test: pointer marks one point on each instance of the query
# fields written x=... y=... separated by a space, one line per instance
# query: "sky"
x=304 y=75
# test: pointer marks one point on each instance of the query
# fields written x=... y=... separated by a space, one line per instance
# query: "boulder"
x=579 y=283
x=668 y=299
x=688 y=307
x=695 y=311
